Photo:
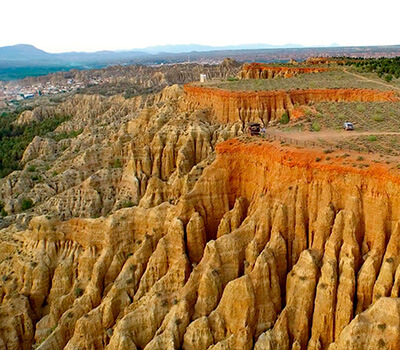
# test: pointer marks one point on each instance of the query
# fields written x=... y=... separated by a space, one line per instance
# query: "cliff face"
x=266 y=106
x=112 y=163
x=261 y=71
x=269 y=249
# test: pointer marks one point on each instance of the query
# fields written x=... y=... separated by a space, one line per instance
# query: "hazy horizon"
x=122 y=25
x=206 y=46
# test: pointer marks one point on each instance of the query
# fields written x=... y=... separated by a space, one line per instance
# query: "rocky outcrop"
x=37 y=115
x=262 y=71
x=111 y=163
x=376 y=328
x=241 y=261
x=265 y=106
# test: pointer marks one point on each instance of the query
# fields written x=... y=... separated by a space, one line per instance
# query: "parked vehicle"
x=348 y=126
x=254 y=129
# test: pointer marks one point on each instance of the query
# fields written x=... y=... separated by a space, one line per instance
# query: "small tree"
x=388 y=77
x=285 y=118
x=26 y=204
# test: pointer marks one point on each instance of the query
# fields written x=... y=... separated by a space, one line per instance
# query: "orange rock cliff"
x=331 y=234
x=262 y=71
x=266 y=106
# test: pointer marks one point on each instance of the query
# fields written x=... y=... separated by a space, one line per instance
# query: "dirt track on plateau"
x=326 y=135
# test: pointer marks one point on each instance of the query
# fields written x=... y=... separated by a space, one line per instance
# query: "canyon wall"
x=270 y=249
x=266 y=106
x=112 y=163
x=262 y=71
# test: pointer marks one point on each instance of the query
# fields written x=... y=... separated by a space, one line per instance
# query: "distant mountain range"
x=202 y=48
x=23 y=60
x=20 y=61
x=29 y=52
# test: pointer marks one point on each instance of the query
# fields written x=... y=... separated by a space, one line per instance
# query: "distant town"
x=14 y=93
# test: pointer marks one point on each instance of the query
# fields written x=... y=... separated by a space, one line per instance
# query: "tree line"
x=386 y=68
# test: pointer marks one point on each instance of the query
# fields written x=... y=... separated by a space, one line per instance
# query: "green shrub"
x=360 y=108
x=285 y=118
x=67 y=135
x=3 y=212
x=26 y=204
x=377 y=118
x=388 y=77
x=372 y=138
x=127 y=204
x=78 y=292
x=382 y=326
x=315 y=126
x=31 y=168
x=36 y=178
x=117 y=163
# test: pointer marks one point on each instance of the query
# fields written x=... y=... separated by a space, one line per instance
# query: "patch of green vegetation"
x=377 y=118
x=382 y=326
x=360 y=108
x=36 y=178
x=31 y=168
x=117 y=163
x=285 y=118
x=372 y=138
x=3 y=212
x=384 y=67
x=15 y=138
x=127 y=204
x=26 y=204
x=78 y=292
x=389 y=78
x=315 y=126
x=14 y=73
x=67 y=135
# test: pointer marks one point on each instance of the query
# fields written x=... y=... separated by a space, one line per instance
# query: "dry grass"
x=366 y=116
x=371 y=121
x=334 y=79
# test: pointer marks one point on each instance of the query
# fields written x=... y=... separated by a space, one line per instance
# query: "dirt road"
x=325 y=135
x=372 y=80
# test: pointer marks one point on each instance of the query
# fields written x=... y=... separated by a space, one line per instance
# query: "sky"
x=88 y=25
